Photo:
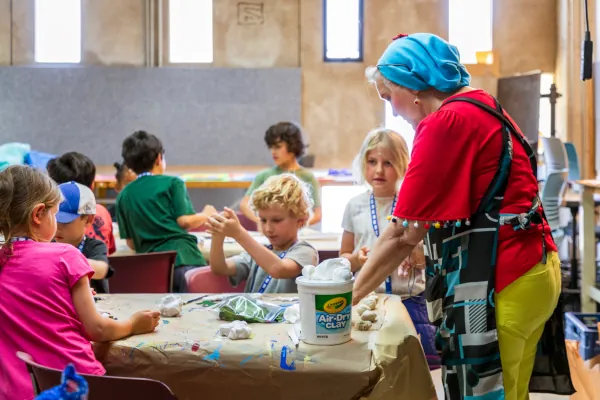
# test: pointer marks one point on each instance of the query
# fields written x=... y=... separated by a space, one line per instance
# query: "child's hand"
x=209 y=210
x=225 y=224
x=144 y=322
x=415 y=260
x=361 y=256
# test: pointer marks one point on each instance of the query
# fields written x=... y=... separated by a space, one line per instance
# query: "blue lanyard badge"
x=375 y=224
x=144 y=174
x=81 y=245
x=269 y=278
x=21 y=239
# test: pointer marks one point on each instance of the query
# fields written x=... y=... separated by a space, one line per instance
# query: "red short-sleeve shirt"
x=455 y=155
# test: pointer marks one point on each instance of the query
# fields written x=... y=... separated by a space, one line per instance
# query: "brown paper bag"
x=586 y=378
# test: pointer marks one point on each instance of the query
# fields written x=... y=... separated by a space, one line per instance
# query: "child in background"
x=155 y=212
x=283 y=207
x=75 y=214
x=284 y=140
x=124 y=176
x=382 y=164
x=76 y=167
x=46 y=306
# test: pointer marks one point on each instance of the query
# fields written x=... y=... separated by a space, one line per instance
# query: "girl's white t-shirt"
x=357 y=220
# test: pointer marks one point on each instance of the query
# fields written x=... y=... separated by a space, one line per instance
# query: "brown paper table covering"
x=187 y=354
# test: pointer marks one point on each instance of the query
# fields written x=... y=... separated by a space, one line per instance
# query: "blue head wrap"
x=421 y=61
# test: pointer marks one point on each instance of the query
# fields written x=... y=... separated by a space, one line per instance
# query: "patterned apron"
x=461 y=261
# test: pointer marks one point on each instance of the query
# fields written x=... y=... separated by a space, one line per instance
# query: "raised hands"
x=225 y=223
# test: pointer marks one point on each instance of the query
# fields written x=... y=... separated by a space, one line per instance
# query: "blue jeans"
x=417 y=309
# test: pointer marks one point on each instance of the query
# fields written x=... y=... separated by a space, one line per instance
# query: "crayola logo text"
x=335 y=305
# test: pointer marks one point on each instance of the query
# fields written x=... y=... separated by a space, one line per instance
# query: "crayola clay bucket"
x=325 y=311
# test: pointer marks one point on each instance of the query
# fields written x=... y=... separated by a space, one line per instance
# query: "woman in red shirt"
x=493 y=273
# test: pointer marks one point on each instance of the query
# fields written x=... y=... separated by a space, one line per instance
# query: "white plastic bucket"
x=325 y=311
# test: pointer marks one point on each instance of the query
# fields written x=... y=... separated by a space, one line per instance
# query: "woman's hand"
x=144 y=322
x=225 y=224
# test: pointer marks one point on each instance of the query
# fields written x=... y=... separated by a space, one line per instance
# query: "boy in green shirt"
x=284 y=140
x=155 y=212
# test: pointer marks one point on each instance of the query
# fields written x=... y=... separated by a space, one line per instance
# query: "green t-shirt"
x=302 y=173
x=147 y=212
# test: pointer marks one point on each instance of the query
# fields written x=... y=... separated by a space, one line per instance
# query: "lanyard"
x=375 y=224
x=269 y=278
x=21 y=239
x=80 y=247
x=144 y=174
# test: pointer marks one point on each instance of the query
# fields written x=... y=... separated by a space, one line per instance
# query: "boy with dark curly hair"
x=284 y=140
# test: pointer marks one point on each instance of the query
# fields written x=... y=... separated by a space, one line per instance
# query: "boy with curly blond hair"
x=283 y=206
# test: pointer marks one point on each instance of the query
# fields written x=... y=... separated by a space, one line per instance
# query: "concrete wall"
x=338 y=106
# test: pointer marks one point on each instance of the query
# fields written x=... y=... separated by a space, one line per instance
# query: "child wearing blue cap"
x=75 y=214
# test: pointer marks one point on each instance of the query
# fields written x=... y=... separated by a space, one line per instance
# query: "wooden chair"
x=100 y=387
x=203 y=280
x=142 y=273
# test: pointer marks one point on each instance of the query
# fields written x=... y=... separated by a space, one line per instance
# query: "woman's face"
x=402 y=101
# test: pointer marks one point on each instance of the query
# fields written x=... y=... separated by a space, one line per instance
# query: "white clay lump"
x=369 y=316
x=363 y=325
x=369 y=302
x=170 y=306
x=361 y=308
x=236 y=330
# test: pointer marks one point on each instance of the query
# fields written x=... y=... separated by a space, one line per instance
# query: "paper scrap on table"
x=291 y=315
x=236 y=330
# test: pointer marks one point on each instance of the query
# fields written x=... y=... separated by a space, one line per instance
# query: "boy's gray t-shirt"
x=247 y=270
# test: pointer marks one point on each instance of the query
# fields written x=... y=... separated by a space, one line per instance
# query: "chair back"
x=142 y=273
x=551 y=197
x=555 y=155
x=100 y=387
x=573 y=160
x=203 y=280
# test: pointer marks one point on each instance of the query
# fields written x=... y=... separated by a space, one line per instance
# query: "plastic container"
x=583 y=328
x=325 y=311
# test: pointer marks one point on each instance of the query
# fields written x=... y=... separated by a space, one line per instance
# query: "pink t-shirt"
x=37 y=315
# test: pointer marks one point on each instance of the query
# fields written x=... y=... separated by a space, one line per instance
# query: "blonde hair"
x=287 y=191
x=21 y=189
x=385 y=138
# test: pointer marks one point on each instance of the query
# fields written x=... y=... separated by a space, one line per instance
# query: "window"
x=470 y=30
x=343 y=30
x=545 y=81
x=399 y=125
x=190 y=31
x=58 y=31
x=333 y=203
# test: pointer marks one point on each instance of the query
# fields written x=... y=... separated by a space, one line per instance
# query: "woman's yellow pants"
x=522 y=309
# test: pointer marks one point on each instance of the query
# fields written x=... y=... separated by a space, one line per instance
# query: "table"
x=324 y=243
x=590 y=295
x=187 y=354
x=217 y=177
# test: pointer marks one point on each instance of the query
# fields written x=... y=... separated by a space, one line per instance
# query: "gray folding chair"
x=555 y=155
x=551 y=197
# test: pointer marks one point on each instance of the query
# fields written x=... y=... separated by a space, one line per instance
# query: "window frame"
x=361 y=29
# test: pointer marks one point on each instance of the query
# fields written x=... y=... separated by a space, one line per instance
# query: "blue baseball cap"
x=77 y=200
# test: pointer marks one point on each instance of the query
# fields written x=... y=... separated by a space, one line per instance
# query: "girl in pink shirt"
x=46 y=306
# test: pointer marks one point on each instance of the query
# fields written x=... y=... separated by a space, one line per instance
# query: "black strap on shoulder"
x=499 y=114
